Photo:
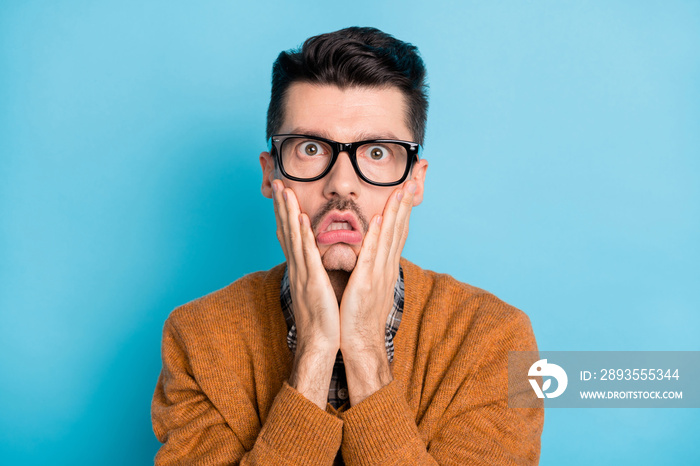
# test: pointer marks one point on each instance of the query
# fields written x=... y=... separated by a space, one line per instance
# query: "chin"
x=339 y=257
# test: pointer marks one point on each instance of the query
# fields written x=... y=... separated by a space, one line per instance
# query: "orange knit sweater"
x=222 y=396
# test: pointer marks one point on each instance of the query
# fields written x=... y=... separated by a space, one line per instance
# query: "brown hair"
x=353 y=56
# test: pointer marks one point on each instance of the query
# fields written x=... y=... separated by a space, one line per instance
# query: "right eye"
x=310 y=148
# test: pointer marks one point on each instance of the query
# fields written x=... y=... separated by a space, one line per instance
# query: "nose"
x=342 y=181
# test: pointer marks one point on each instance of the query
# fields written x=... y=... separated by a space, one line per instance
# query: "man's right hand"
x=315 y=306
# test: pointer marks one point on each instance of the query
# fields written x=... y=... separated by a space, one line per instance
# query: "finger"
x=391 y=210
x=392 y=224
x=294 y=233
x=312 y=256
x=404 y=233
x=280 y=216
x=368 y=253
x=402 y=221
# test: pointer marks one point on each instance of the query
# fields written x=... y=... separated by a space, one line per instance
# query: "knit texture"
x=222 y=396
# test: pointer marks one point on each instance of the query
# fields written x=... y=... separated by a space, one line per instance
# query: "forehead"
x=347 y=114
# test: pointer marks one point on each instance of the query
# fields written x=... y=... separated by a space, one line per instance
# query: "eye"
x=377 y=152
x=310 y=148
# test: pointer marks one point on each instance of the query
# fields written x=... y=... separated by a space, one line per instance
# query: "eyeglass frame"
x=413 y=151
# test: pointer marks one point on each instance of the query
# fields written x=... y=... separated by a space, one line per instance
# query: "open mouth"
x=339 y=227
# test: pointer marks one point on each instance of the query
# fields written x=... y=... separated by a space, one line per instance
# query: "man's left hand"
x=369 y=297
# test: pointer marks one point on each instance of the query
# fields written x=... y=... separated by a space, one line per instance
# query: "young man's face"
x=341 y=200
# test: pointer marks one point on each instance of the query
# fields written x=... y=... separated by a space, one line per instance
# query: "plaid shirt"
x=338 y=391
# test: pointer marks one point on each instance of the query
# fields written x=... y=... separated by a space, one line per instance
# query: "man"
x=346 y=352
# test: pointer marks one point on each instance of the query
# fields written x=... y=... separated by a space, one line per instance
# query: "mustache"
x=341 y=205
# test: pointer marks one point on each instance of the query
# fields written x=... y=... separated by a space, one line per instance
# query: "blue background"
x=563 y=142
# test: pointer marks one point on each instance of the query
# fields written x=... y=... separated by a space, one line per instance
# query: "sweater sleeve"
x=193 y=431
x=477 y=428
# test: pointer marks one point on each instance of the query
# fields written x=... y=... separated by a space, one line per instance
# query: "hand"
x=315 y=306
x=369 y=297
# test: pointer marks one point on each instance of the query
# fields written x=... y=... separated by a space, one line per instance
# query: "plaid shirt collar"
x=392 y=322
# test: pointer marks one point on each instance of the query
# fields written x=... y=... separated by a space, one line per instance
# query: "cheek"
x=304 y=196
x=377 y=206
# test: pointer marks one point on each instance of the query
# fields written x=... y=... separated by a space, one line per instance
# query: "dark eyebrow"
x=309 y=132
x=363 y=136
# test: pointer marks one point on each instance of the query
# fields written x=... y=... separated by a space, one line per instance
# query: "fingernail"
x=275 y=188
x=301 y=219
x=399 y=196
x=412 y=188
x=379 y=220
x=284 y=195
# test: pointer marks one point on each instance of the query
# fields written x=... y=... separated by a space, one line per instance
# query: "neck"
x=339 y=280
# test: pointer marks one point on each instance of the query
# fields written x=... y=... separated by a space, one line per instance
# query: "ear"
x=418 y=176
x=267 y=163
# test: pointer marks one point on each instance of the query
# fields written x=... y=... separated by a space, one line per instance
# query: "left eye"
x=377 y=152
x=311 y=148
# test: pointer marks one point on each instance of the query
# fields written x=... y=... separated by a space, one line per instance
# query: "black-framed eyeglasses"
x=380 y=162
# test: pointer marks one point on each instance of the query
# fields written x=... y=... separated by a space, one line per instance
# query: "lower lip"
x=340 y=236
